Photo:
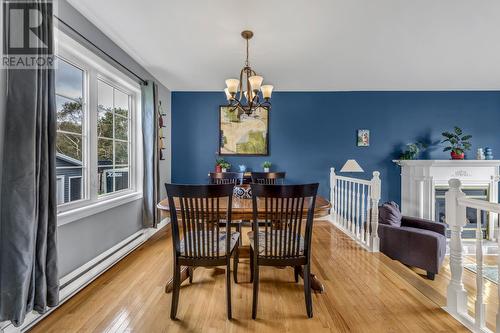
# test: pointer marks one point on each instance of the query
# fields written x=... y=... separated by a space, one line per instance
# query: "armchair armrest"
x=415 y=222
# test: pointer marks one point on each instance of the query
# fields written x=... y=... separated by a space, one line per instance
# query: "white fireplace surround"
x=419 y=179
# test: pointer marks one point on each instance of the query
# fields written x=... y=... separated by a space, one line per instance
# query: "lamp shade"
x=267 y=90
x=232 y=85
x=351 y=166
x=255 y=82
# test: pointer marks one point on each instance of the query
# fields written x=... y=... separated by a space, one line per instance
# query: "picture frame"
x=241 y=134
x=363 y=138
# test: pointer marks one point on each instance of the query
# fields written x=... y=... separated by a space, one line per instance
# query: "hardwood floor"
x=364 y=293
x=436 y=290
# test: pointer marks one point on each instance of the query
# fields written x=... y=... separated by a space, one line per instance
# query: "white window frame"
x=97 y=68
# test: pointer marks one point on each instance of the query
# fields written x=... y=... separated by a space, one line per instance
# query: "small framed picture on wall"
x=363 y=138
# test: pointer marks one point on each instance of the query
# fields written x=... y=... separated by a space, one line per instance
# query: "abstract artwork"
x=242 y=134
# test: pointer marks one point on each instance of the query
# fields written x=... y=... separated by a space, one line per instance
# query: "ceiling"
x=310 y=45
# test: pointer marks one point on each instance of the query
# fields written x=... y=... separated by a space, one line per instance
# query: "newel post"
x=333 y=195
x=456 y=301
x=375 y=198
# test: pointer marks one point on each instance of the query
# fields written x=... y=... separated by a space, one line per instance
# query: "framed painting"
x=242 y=134
x=363 y=138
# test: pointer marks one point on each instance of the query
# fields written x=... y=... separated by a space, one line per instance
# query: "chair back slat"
x=197 y=234
x=235 y=178
x=268 y=178
x=283 y=218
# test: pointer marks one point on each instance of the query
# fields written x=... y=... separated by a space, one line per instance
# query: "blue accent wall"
x=313 y=131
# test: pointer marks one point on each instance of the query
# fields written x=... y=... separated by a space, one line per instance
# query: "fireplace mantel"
x=419 y=179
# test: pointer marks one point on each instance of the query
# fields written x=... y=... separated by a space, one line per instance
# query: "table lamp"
x=351 y=166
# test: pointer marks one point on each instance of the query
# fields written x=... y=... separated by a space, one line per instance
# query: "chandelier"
x=249 y=85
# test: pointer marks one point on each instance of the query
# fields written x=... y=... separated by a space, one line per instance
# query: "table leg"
x=316 y=284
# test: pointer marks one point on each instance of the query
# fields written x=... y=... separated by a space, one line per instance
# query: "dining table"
x=242 y=210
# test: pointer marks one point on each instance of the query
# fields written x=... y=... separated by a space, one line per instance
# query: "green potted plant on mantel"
x=225 y=166
x=458 y=143
x=266 y=165
x=412 y=151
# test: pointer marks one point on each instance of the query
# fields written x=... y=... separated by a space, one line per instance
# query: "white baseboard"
x=75 y=281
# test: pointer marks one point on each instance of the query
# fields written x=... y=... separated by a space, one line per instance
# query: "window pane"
x=105 y=152
x=60 y=190
x=105 y=179
x=70 y=179
x=69 y=80
x=69 y=115
x=121 y=152
x=121 y=178
x=121 y=103
x=121 y=128
x=70 y=146
x=104 y=123
x=75 y=188
x=104 y=95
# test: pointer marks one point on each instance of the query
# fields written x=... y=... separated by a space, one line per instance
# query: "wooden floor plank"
x=365 y=292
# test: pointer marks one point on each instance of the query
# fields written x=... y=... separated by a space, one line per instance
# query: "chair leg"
x=175 y=292
x=228 y=288
x=296 y=273
x=431 y=275
x=307 y=290
x=236 y=259
x=251 y=265
x=191 y=274
x=255 y=290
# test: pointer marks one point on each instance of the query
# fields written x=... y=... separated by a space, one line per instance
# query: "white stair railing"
x=456 y=302
x=355 y=208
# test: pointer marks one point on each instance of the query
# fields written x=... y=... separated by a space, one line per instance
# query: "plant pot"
x=455 y=156
x=266 y=169
x=224 y=170
x=218 y=168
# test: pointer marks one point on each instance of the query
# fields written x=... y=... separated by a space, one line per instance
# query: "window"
x=113 y=141
x=98 y=133
x=70 y=143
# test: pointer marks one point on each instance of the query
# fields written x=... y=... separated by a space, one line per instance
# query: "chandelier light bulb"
x=255 y=82
x=232 y=85
x=267 y=91
x=228 y=95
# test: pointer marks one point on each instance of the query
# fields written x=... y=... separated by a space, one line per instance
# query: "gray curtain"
x=28 y=253
x=150 y=214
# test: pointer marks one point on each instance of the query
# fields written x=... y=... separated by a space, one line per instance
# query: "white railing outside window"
x=355 y=208
x=456 y=302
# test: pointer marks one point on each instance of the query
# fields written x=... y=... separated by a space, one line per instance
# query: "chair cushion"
x=208 y=237
x=389 y=214
x=284 y=238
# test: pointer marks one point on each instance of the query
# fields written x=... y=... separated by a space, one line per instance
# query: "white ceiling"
x=313 y=45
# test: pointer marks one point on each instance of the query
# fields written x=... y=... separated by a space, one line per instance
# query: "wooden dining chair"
x=198 y=238
x=284 y=239
x=270 y=178
x=235 y=178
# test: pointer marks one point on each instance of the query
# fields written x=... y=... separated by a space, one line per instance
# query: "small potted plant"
x=266 y=165
x=225 y=166
x=218 y=164
x=458 y=143
x=412 y=150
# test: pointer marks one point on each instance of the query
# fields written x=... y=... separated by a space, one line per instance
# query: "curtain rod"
x=101 y=50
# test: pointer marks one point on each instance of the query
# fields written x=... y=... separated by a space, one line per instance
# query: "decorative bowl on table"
x=242 y=192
